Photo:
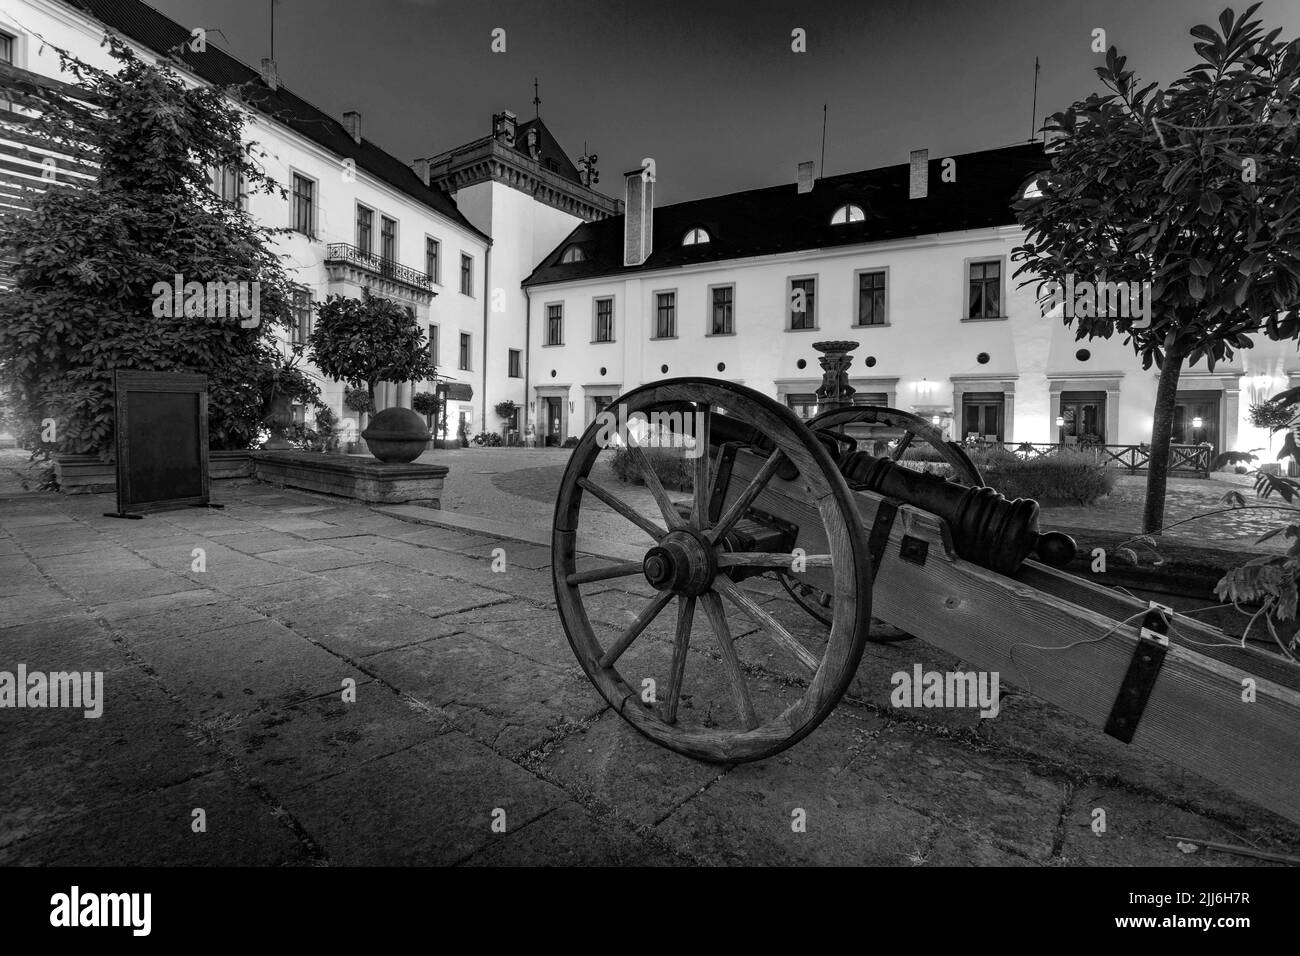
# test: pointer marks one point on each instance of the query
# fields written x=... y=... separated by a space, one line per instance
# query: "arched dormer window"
x=1031 y=190
x=695 y=237
x=848 y=213
x=574 y=254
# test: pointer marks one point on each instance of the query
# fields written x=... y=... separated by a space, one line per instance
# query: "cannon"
x=873 y=550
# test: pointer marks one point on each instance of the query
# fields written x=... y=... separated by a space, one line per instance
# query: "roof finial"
x=537 y=101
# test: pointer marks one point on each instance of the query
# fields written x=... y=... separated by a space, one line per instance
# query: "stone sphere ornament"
x=396 y=435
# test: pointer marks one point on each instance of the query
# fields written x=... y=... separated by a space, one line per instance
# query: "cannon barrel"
x=986 y=528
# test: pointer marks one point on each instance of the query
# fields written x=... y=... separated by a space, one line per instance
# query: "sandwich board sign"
x=161 y=431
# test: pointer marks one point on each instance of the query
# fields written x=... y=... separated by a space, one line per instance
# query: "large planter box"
x=87 y=475
x=230 y=464
x=362 y=479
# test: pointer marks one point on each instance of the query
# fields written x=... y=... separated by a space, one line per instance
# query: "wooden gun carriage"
x=855 y=536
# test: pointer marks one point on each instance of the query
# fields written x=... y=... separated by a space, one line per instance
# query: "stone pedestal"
x=362 y=479
x=835 y=390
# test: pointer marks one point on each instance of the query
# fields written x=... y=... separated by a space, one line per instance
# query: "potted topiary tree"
x=367 y=341
x=428 y=405
x=359 y=401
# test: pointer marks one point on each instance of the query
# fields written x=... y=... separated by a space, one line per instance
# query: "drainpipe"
x=528 y=351
x=487 y=272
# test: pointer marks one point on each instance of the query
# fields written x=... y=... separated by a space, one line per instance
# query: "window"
x=387 y=244
x=301 y=317
x=6 y=48
x=574 y=254
x=665 y=315
x=228 y=184
x=514 y=364
x=432 y=257
x=464 y=351
x=433 y=344
x=554 y=325
x=365 y=230
x=871 y=298
x=466 y=274
x=722 y=318
x=695 y=237
x=847 y=214
x=803 y=303
x=985 y=290
x=304 y=205
x=604 y=320
x=803 y=404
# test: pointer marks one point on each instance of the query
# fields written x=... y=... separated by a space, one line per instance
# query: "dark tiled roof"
x=777 y=219
x=147 y=26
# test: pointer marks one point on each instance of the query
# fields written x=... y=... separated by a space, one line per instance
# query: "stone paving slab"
x=226 y=689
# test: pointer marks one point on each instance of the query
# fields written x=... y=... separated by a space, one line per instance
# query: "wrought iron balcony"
x=387 y=268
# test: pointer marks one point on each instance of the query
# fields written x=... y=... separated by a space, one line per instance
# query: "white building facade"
x=945 y=328
x=361 y=218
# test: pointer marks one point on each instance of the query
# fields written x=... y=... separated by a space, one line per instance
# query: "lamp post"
x=1060 y=429
x=1197 y=422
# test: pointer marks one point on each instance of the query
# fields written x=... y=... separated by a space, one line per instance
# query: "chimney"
x=421 y=167
x=807 y=176
x=638 y=217
x=918 y=184
x=352 y=123
x=504 y=125
x=270 y=76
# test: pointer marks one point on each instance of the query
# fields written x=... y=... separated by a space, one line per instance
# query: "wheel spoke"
x=741 y=504
x=615 y=650
x=622 y=570
x=700 y=515
x=681 y=643
x=770 y=625
x=902 y=445
x=623 y=508
x=731 y=663
x=771 y=559
x=654 y=484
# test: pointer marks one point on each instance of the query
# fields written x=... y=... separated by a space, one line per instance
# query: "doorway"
x=1196 y=418
x=554 y=422
x=1084 y=417
x=982 y=415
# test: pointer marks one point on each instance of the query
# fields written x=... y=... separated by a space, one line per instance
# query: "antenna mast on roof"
x=821 y=170
x=537 y=101
x=1033 y=119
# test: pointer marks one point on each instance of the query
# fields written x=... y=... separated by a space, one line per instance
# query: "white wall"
x=927 y=346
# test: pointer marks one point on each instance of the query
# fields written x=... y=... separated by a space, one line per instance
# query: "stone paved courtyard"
x=224 y=691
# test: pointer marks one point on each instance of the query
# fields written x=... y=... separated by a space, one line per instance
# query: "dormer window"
x=574 y=254
x=848 y=213
x=695 y=237
x=1031 y=190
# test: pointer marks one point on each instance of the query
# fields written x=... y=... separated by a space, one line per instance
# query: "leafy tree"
x=86 y=259
x=367 y=341
x=1195 y=188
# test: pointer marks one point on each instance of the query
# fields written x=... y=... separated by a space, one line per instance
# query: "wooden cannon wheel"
x=685 y=561
x=913 y=426
x=815 y=602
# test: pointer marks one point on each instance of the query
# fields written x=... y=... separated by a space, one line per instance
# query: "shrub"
x=1066 y=475
x=570 y=442
x=426 y=403
x=358 y=399
x=921 y=451
x=670 y=464
x=491 y=439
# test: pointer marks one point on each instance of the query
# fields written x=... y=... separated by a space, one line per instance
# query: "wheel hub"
x=683 y=562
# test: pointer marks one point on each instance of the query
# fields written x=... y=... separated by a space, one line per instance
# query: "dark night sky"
x=711 y=90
